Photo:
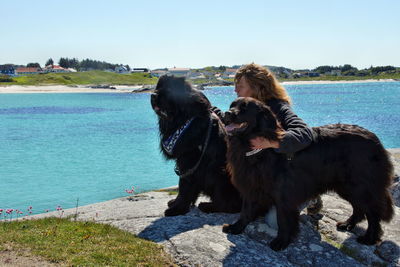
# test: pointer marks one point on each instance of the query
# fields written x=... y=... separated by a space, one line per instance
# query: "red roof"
x=57 y=67
x=231 y=70
x=27 y=70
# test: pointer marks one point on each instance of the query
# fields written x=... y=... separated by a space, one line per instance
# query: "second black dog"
x=347 y=159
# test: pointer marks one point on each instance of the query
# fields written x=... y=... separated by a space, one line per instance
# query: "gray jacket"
x=298 y=135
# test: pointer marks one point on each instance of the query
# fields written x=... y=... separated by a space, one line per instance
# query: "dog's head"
x=248 y=117
x=175 y=97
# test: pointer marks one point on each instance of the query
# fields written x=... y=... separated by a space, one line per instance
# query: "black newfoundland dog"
x=193 y=136
x=344 y=158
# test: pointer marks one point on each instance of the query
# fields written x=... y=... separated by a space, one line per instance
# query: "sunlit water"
x=59 y=148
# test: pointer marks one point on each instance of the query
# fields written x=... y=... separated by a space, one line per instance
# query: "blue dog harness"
x=171 y=141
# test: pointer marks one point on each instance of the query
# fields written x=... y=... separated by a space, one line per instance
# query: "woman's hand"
x=261 y=143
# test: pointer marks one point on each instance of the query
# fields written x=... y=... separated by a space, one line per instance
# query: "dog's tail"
x=388 y=210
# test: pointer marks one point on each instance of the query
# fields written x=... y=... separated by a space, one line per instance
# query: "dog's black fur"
x=344 y=158
x=175 y=102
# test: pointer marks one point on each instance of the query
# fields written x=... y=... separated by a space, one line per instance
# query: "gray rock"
x=395 y=189
x=389 y=251
x=196 y=239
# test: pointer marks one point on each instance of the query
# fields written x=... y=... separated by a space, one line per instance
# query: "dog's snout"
x=228 y=117
x=153 y=98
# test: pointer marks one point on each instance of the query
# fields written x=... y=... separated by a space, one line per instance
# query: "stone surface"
x=395 y=189
x=196 y=239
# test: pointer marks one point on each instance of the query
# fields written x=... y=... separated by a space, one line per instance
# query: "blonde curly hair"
x=263 y=82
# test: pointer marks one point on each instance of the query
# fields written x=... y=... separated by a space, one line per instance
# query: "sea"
x=73 y=149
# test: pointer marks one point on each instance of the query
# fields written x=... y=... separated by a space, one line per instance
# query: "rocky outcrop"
x=196 y=239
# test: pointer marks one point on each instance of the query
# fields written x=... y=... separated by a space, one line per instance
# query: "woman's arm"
x=297 y=134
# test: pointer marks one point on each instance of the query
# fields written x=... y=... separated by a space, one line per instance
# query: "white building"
x=229 y=74
x=196 y=75
x=179 y=72
x=158 y=73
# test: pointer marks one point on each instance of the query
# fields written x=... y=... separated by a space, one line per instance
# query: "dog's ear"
x=161 y=81
x=197 y=104
x=267 y=123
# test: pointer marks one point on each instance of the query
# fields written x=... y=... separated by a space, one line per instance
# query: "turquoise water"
x=58 y=148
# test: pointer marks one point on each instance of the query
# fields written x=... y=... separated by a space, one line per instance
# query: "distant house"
x=26 y=71
x=121 y=69
x=142 y=70
x=55 y=69
x=196 y=75
x=298 y=75
x=305 y=74
x=7 y=70
x=334 y=72
x=312 y=74
x=229 y=74
x=179 y=72
x=158 y=73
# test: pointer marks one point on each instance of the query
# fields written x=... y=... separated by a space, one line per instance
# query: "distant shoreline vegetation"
x=103 y=77
x=80 y=78
x=94 y=72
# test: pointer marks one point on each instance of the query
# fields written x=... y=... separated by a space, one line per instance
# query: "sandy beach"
x=14 y=89
x=17 y=89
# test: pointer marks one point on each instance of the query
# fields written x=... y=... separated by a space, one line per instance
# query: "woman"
x=256 y=81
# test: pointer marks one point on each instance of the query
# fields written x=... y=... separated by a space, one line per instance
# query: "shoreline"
x=394 y=154
x=30 y=89
x=21 y=89
x=336 y=82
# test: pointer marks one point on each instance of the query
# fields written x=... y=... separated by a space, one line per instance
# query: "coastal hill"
x=91 y=72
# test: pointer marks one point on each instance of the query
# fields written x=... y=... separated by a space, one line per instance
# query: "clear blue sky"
x=294 y=34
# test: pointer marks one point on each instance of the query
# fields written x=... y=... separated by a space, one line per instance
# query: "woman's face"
x=243 y=89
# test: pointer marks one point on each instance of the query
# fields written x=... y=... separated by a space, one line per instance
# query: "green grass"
x=81 y=243
x=102 y=77
x=170 y=192
x=353 y=253
x=82 y=78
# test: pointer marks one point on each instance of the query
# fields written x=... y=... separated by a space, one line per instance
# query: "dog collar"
x=170 y=143
x=255 y=151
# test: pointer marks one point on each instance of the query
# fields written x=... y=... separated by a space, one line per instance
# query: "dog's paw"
x=176 y=211
x=206 y=207
x=344 y=226
x=232 y=229
x=367 y=240
x=278 y=244
x=171 y=202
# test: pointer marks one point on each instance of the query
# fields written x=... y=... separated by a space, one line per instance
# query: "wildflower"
x=130 y=191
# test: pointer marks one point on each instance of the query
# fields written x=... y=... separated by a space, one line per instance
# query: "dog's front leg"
x=187 y=195
x=247 y=214
x=288 y=226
